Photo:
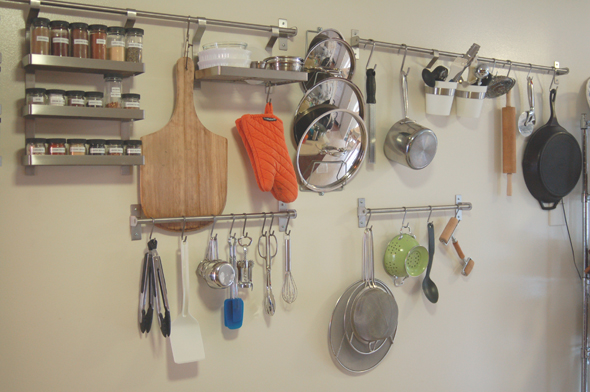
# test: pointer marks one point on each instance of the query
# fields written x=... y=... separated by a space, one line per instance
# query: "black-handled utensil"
x=428 y=286
x=371 y=115
x=440 y=74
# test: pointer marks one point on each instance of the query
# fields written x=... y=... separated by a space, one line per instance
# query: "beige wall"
x=69 y=272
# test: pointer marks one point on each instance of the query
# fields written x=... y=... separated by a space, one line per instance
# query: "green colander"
x=397 y=250
x=416 y=260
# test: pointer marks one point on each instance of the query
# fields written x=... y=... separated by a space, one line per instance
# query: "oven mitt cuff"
x=264 y=138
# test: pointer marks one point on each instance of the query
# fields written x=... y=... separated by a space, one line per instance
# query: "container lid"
x=34 y=140
x=76 y=141
x=113 y=76
x=116 y=29
x=79 y=25
x=40 y=22
x=135 y=31
x=56 y=141
x=131 y=95
x=96 y=141
x=93 y=94
x=74 y=92
x=56 y=91
x=225 y=44
x=95 y=27
x=115 y=141
x=132 y=142
x=59 y=23
x=35 y=90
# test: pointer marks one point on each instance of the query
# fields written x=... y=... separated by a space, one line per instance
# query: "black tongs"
x=153 y=286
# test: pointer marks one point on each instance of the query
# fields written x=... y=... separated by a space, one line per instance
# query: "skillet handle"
x=552 y=95
x=548 y=207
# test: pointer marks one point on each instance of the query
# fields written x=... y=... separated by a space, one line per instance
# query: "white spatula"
x=185 y=337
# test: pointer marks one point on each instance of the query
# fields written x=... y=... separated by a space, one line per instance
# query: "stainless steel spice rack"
x=37 y=111
x=252 y=76
x=364 y=213
x=136 y=220
x=42 y=62
x=357 y=41
x=82 y=160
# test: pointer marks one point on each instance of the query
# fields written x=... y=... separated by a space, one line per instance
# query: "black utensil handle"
x=549 y=207
x=430 y=246
x=371 y=86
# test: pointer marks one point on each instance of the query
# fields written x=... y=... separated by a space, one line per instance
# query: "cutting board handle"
x=185 y=78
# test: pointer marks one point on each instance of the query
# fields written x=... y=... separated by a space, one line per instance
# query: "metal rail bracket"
x=136 y=212
x=355 y=43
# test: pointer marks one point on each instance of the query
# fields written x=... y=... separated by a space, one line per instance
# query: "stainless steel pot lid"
x=331 y=150
x=331 y=93
x=332 y=57
x=323 y=35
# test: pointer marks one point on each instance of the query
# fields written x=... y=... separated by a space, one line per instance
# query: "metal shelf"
x=33 y=111
x=37 y=62
x=249 y=75
x=83 y=160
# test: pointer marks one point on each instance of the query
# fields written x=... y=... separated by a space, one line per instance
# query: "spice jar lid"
x=36 y=90
x=115 y=142
x=135 y=31
x=132 y=142
x=93 y=94
x=40 y=22
x=131 y=95
x=97 y=27
x=74 y=93
x=96 y=141
x=116 y=30
x=76 y=141
x=59 y=23
x=56 y=91
x=79 y=25
x=56 y=141
x=34 y=140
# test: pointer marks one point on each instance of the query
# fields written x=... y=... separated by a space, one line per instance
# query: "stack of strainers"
x=405 y=257
x=364 y=321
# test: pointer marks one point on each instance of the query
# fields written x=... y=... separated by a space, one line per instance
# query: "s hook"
x=371 y=55
x=182 y=236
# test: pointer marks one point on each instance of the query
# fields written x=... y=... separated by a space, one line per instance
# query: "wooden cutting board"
x=185 y=171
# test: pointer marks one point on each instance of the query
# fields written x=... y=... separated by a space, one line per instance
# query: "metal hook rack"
x=356 y=42
x=136 y=220
x=363 y=211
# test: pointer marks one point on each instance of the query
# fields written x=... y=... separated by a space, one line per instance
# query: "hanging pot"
x=552 y=161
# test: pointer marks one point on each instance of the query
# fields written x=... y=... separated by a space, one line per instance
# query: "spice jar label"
x=38 y=151
x=76 y=101
x=115 y=151
x=115 y=92
x=95 y=102
x=118 y=43
x=37 y=100
x=131 y=105
x=57 y=150
x=57 y=100
x=97 y=150
x=133 y=151
x=80 y=42
x=134 y=45
x=100 y=41
x=42 y=38
x=78 y=150
x=59 y=40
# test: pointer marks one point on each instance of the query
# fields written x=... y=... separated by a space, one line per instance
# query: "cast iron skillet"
x=552 y=161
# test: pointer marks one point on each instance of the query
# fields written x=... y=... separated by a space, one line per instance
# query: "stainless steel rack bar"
x=135 y=220
x=364 y=213
x=281 y=31
x=585 y=355
x=357 y=42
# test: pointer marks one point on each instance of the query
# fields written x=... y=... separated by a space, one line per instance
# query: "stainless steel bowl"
x=258 y=64
x=284 y=63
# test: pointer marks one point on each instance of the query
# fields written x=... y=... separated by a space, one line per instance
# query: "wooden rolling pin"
x=509 y=141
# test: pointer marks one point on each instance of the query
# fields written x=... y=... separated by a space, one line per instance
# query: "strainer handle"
x=398 y=281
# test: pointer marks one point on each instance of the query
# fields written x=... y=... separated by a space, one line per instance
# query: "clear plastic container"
x=76 y=146
x=116 y=43
x=79 y=38
x=115 y=147
x=113 y=87
x=226 y=44
x=130 y=101
x=75 y=98
x=133 y=147
x=56 y=146
x=134 y=45
x=96 y=147
x=94 y=99
x=60 y=38
x=56 y=97
x=97 y=34
x=35 y=146
x=39 y=35
x=36 y=96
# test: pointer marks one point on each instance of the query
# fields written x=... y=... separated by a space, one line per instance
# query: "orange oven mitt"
x=264 y=138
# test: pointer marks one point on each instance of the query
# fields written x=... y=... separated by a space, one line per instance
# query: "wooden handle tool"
x=509 y=141
x=467 y=261
x=447 y=233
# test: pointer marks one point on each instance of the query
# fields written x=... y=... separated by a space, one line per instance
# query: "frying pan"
x=552 y=161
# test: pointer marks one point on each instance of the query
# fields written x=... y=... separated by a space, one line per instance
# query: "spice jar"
x=56 y=146
x=116 y=43
x=35 y=146
x=79 y=35
x=130 y=101
x=134 y=45
x=96 y=147
x=39 y=34
x=77 y=146
x=115 y=147
x=60 y=38
x=56 y=97
x=36 y=96
x=112 y=90
x=132 y=147
x=94 y=99
x=98 y=41
x=75 y=98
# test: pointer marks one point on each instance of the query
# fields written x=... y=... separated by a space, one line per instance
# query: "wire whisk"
x=289 y=292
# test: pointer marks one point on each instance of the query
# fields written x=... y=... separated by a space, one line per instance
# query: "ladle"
x=428 y=286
